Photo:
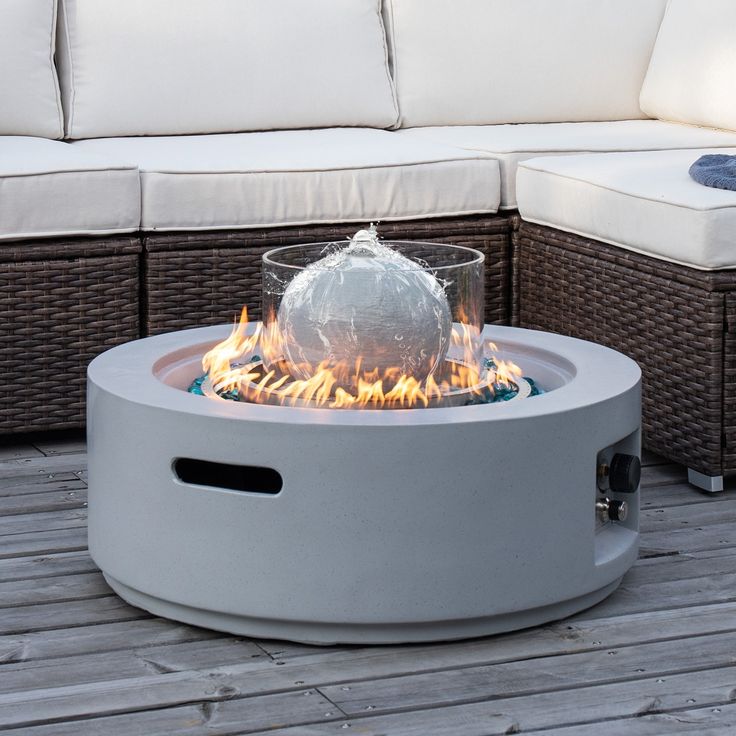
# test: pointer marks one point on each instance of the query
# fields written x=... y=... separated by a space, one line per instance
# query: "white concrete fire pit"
x=368 y=464
x=375 y=526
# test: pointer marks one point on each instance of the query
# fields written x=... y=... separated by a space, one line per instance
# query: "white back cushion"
x=155 y=67
x=692 y=75
x=477 y=62
x=29 y=90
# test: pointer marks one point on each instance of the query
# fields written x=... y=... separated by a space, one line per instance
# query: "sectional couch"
x=151 y=151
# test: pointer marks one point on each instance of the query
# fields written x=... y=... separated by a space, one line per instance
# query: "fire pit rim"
x=596 y=375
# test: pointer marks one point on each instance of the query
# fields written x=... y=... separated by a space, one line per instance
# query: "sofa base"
x=204 y=278
x=63 y=303
x=678 y=323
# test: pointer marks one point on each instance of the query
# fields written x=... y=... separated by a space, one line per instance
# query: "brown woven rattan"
x=62 y=302
x=515 y=224
x=201 y=278
x=679 y=323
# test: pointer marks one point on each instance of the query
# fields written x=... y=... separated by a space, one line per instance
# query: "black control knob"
x=618 y=510
x=624 y=473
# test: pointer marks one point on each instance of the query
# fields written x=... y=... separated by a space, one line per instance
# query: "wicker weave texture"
x=194 y=279
x=729 y=384
x=668 y=318
x=58 y=313
x=515 y=223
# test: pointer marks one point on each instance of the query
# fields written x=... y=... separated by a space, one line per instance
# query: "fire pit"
x=370 y=464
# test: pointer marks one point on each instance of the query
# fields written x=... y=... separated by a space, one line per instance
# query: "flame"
x=507 y=373
x=251 y=366
x=217 y=362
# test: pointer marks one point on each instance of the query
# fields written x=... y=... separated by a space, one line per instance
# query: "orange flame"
x=232 y=367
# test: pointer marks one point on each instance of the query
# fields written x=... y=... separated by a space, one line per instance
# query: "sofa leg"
x=708 y=483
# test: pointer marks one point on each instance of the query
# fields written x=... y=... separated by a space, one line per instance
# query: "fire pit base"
x=326 y=634
x=360 y=526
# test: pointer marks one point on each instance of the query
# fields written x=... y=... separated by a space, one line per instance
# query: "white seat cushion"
x=692 y=74
x=48 y=188
x=301 y=177
x=511 y=144
x=29 y=89
x=644 y=202
x=137 y=67
x=485 y=62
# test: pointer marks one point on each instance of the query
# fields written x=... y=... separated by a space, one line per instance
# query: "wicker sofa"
x=150 y=153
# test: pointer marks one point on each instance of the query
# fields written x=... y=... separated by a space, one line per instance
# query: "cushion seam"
x=394 y=62
x=20 y=175
x=651 y=59
x=71 y=231
x=326 y=220
x=70 y=61
x=54 y=72
x=386 y=68
x=584 y=151
x=145 y=170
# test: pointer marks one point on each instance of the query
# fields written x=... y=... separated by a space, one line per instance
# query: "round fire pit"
x=363 y=525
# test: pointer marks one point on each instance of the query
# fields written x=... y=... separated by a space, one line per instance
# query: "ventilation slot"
x=246 y=478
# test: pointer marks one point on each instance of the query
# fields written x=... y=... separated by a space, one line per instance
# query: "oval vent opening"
x=246 y=478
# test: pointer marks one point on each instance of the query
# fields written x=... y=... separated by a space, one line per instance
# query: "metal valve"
x=609 y=510
x=621 y=475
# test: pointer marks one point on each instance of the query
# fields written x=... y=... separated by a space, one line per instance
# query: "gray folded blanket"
x=715 y=170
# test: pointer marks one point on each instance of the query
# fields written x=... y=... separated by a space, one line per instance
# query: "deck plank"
x=74 y=497
x=129 y=663
x=213 y=718
x=682 y=566
x=40 y=522
x=23 y=619
x=690 y=515
x=700 y=538
x=97 y=638
x=42 y=466
x=45 y=566
x=49 y=590
x=717 y=721
x=26 y=543
x=655 y=658
x=25 y=485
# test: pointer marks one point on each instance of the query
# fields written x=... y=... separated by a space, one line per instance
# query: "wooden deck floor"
x=658 y=657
